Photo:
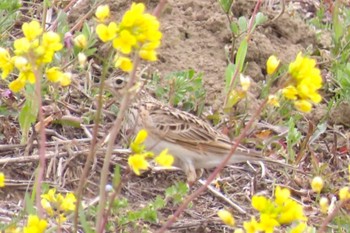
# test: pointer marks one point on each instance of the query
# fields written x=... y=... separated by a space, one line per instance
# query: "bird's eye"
x=119 y=81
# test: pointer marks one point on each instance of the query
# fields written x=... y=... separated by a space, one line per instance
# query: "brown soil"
x=195 y=35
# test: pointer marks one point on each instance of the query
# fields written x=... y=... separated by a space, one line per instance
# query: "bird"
x=193 y=142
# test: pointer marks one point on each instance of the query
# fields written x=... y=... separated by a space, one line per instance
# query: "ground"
x=195 y=36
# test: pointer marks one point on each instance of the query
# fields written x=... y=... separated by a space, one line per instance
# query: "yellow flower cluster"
x=138 y=160
x=31 y=52
x=304 y=83
x=35 y=225
x=58 y=206
x=282 y=210
x=138 y=32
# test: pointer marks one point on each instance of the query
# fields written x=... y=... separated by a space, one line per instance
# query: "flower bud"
x=272 y=64
x=317 y=184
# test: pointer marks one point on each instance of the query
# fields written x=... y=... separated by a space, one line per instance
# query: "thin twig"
x=223 y=197
x=93 y=147
x=114 y=132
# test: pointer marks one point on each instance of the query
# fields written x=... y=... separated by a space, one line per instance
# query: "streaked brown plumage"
x=194 y=143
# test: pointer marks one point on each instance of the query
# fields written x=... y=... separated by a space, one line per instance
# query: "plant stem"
x=107 y=160
x=42 y=141
x=249 y=32
x=93 y=147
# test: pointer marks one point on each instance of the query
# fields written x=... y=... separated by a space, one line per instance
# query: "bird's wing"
x=183 y=128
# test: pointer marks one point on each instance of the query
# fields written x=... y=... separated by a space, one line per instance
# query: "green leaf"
x=241 y=54
x=260 y=18
x=29 y=204
x=120 y=203
x=28 y=113
x=68 y=122
x=230 y=70
x=338 y=29
x=243 y=23
x=234 y=28
x=159 y=202
x=226 y=5
x=83 y=221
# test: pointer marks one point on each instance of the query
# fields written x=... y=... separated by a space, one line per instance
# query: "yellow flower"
x=35 y=225
x=106 y=33
x=137 y=144
x=148 y=55
x=164 y=159
x=317 y=184
x=80 y=41
x=53 y=74
x=17 y=84
x=324 y=204
x=303 y=105
x=2 y=180
x=251 y=226
x=267 y=223
x=141 y=136
x=68 y=203
x=50 y=195
x=66 y=79
x=21 y=63
x=273 y=101
x=132 y=16
x=6 y=64
x=344 y=193
x=271 y=64
x=47 y=207
x=245 y=82
x=124 y=63
x=281 y=195
x=290 y=92
x=102 y=13
x=260 y=203
x=52 y=41
x=22 y=46
x=32 y=30
x=304 y=83
x=226 y=217
x=27 y=75
x=124 y=42
x=137 y=32
x=302 y=67
x=290 y=211
x=137 y=162
x=58 y=206
x=300 y=228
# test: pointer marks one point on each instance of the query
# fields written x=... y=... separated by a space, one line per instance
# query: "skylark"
x=193 y=142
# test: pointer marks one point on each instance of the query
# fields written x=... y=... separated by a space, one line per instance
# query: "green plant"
x=8 y=15
x=182 y=89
